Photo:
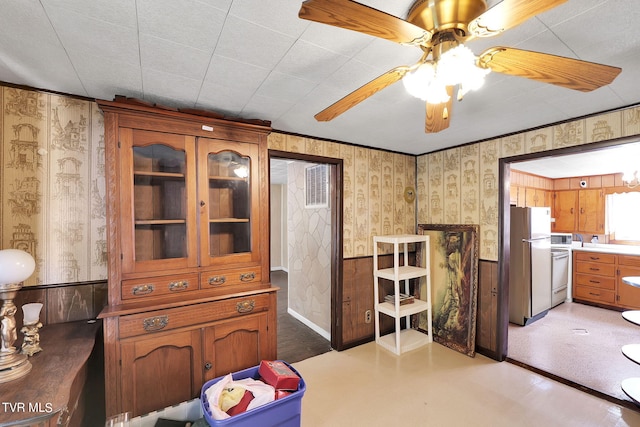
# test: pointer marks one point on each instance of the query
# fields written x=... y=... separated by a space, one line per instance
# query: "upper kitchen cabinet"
x=187 y=204
x=579 y=211
x=591 y=211
x=565 y=211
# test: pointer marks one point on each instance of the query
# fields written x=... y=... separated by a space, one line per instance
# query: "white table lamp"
x=16 y=266
x=30 y=326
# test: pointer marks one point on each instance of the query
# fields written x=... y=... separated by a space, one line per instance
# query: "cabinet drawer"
x=156 y=286
x=172 y=318
x=594 y=294
x=596 y=257
x=596 y=268
x=223 y=278
x=596 y=281
x=629 y=260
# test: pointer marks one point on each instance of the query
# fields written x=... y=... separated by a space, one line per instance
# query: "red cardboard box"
x=277 y=374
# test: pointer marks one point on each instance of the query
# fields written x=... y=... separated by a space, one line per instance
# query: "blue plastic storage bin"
x=282 y=412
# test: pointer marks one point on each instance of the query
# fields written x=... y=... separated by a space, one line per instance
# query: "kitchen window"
x=622 y=210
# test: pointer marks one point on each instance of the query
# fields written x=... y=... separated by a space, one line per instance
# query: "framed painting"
x=453 y=258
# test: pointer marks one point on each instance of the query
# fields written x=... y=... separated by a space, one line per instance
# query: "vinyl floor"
x=580 y=344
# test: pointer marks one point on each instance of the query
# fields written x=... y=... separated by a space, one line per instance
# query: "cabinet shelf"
x=159 y=221
x=228 y=178
x=159 y=174
x=225 y=220
x=402 y=340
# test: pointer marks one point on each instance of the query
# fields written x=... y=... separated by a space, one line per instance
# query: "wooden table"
x=50 y=393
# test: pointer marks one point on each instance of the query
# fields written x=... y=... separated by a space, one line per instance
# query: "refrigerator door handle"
x=537 y=239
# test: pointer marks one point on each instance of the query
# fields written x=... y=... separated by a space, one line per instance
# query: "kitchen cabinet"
x=579 y=211
x=529 y=196
x=595 y=277
x=565 y=210
x=598 y=279
x=536 y=197
x=591 y=211
x=189 y=293
x=628 y=296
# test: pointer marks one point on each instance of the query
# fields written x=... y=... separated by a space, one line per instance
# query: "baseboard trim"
x=326 y=335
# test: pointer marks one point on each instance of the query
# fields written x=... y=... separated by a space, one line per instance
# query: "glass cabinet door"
x=162 y=200
x=229 y=201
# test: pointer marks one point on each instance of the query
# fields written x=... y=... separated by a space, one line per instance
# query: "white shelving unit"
x=405 y=339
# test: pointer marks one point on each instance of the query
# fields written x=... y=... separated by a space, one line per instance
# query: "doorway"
x=596 y=368
x=306 y=247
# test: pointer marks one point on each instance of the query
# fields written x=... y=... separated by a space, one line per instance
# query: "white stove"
x=561 y=268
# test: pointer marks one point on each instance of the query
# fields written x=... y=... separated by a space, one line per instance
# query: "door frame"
x=504 y=225
x=336 y=202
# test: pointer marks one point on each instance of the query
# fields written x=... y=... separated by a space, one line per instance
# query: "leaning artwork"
x=454 y=284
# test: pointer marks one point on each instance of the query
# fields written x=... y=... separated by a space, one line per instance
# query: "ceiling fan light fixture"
x=423 y=84
x=456 y=66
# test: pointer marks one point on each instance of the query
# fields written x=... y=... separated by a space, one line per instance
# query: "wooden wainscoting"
x=487 y=309
x=358 y=298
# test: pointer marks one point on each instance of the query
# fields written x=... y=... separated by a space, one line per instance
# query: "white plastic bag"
x=262 y=393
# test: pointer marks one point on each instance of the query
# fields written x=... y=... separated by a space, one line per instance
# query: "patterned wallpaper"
x=460 y=185
x=52 y=189
x=52 y=192
x=455 y=186
x=373 y=193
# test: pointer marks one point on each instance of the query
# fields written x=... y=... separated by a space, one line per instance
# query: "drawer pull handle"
x=217 y=280
x=595 y=258
x=142 y=289
x=246 y=306
x=594 y=281
x=178 y=286
x=247 y=277
x=156 y=323
x=594 y=294
x=594 y=269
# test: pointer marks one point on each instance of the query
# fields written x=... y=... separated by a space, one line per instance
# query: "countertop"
x=607 y=248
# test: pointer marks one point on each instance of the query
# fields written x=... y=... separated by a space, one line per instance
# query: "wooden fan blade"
x=363 y=19
x=362 y=93
x=508 y=14
x=438 y=115
x=556 y=70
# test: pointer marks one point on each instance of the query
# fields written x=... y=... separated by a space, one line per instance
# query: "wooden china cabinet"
x=188 y=238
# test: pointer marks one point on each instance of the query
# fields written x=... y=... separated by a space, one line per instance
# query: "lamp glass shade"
x=15 y=266
x=31 y=313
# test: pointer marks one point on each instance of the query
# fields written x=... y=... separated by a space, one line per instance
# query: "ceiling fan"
x=440 y=28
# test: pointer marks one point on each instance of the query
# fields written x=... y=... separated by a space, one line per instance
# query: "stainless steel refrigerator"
x=530 y=264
